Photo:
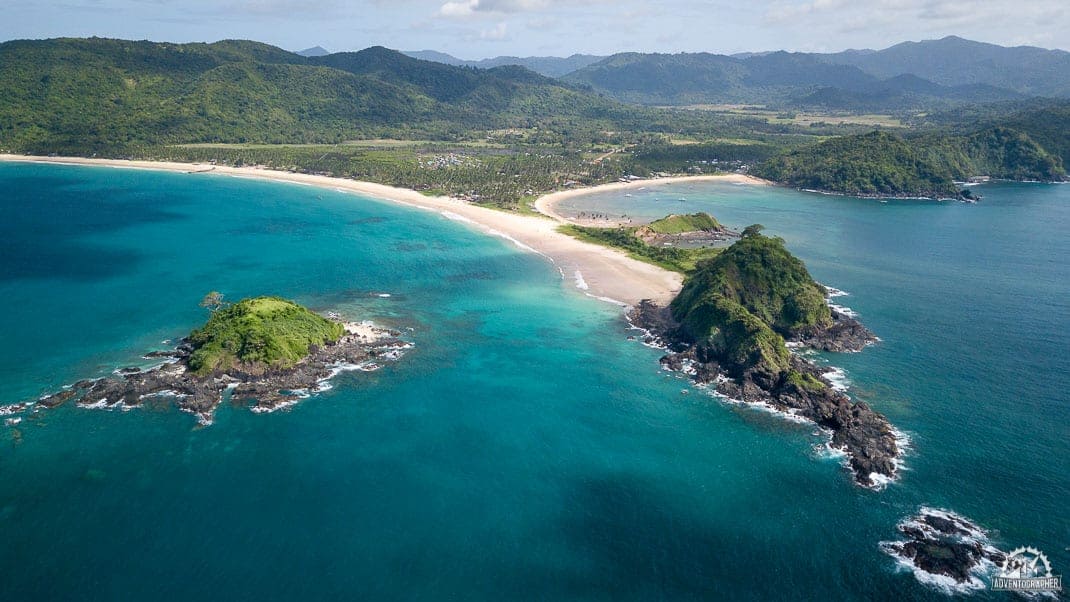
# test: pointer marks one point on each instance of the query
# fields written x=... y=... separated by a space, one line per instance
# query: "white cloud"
x=467 y=8
x=496 y=33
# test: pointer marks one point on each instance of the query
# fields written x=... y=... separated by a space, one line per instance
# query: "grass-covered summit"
x=258 y=334
x=742 y=303
x=645 y=242
x=679 y=224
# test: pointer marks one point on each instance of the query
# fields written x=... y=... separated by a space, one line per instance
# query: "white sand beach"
x=596 y=271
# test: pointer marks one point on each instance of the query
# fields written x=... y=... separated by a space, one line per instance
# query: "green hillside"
x=98 y=95
x=880 y=163
x=677 y=224
x=741 y=304
x=873 y=163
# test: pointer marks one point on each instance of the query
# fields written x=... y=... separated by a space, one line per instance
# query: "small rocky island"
x=267 y=351
x=945 y=549
x=729 y=327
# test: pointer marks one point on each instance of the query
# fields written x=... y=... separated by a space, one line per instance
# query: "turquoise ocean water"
x=525 y=449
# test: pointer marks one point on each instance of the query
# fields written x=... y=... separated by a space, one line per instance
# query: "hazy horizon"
x=476 y=29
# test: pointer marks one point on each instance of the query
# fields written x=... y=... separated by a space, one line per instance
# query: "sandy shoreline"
x=547 y=204
x=597 y=271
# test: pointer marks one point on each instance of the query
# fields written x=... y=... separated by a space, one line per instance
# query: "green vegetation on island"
x=679 y=224
x=728 y=326
x=877 y=163
x=258 y=334
x=742 y=303
x=632 y=240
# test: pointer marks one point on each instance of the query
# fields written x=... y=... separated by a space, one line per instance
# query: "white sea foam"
x=516 y=242
x=974 y=535
x=790 y=415
x=828 y=451
x=942 y=583
x=164 y=393
x=457 y=217
x=832 y=293
x=837 y=378
x=12 y=421
x=879 y=480
x=843 y=309
x=99 y=405
x=580 y=282
x=608 y=300
x=282 y=405
x=392 y=354
x=14 y=408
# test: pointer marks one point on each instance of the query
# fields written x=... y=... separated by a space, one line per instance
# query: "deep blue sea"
x=525 y=449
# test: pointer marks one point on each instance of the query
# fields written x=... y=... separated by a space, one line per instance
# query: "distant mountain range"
x=913 y=74
x=314 y=51
x=954 y=61
x=550 y=66
x=927 y=74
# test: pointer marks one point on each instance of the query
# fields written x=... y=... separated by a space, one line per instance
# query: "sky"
x=473 y=29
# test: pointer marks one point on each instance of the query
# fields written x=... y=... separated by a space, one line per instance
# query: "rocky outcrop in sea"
x=945 y=550
x=868 y=439
x=264 y=389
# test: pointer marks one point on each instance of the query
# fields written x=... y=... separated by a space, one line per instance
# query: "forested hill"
x=89 y=95
x=880 y=163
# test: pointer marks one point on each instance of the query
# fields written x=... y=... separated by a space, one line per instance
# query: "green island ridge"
x=632 y=240
x=259 y=334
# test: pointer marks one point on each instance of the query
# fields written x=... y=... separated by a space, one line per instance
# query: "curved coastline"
x=607 y=274
x=547 y=203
